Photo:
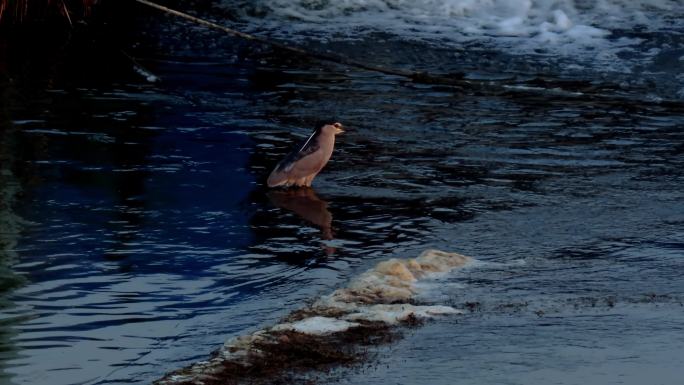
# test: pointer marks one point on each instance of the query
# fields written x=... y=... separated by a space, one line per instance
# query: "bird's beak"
x=338 y=130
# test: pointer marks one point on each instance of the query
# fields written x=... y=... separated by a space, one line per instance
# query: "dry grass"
x=20 y=11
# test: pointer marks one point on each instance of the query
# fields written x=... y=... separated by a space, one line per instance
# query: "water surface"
x=137 y=235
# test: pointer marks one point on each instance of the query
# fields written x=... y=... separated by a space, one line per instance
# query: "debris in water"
x=317 y=325
x=330 y=331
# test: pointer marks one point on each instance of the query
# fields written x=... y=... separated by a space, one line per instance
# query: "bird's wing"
x=297 y=164
x=308 y=142
x=307 y=148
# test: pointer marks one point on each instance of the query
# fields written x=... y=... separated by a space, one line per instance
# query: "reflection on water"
x=305 y=203
x=154 y=240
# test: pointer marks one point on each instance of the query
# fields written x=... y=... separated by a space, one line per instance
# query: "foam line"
x=327 y=330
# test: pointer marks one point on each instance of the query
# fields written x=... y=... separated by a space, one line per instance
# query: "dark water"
x=137 y=235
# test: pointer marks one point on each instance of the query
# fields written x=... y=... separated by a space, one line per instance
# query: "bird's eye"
x=337 y=125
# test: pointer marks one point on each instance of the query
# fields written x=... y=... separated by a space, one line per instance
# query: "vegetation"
x=22 y=11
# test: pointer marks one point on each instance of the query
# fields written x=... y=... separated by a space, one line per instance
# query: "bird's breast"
x=327 y=147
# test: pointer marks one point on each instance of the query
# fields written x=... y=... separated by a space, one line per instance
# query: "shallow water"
x=137 y=235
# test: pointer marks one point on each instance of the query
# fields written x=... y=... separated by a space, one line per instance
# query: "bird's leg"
x=308 y=180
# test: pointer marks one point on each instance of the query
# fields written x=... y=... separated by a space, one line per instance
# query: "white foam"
x=521 y=17
x=568 y=28
x=396 y=313
x=393 y=281
x=239 y=346
x=381 y=294
x=317 y=325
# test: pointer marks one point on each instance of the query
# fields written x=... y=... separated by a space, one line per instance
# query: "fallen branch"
x=416 y=76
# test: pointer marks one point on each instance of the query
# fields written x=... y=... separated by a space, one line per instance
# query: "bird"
x=300 y=167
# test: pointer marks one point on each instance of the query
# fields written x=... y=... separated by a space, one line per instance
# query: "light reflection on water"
x=152 y=239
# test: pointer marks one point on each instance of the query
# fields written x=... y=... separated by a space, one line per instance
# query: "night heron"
x=301 y=166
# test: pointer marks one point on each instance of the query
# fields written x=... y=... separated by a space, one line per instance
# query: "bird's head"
x=331 y=128
x=338 y=128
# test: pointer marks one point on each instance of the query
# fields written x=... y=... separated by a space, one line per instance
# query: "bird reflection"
x=305 y=203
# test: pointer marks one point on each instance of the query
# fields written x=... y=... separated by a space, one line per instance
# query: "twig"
x=140 y=69
x=66 y=13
